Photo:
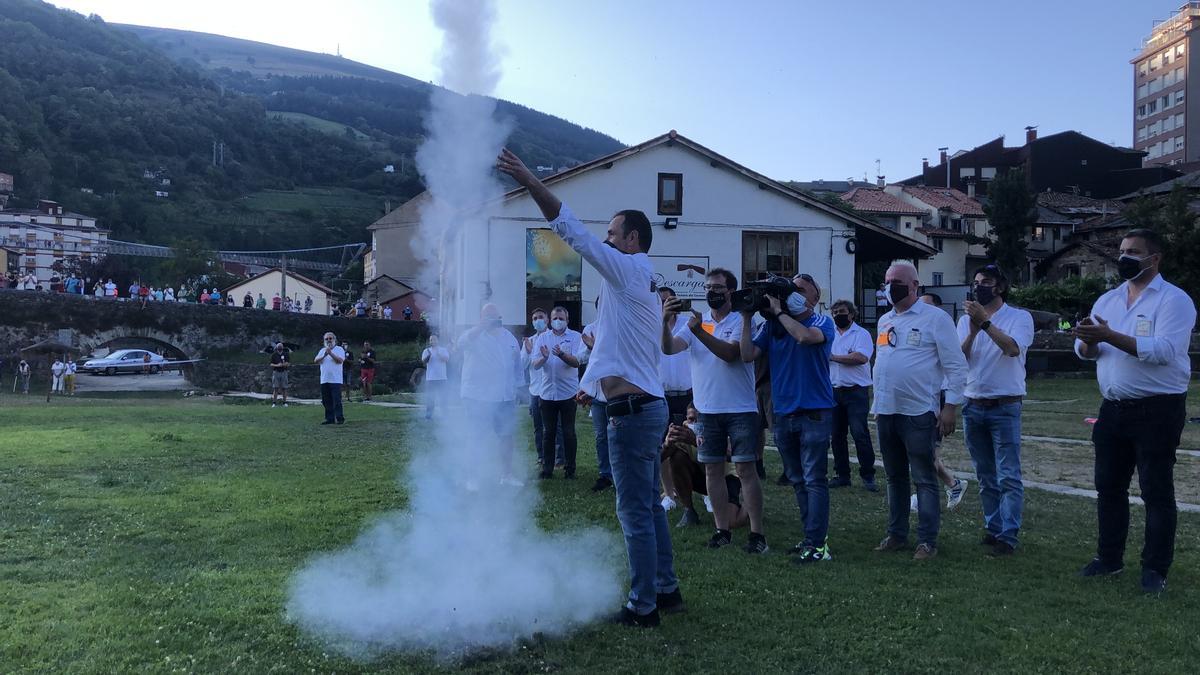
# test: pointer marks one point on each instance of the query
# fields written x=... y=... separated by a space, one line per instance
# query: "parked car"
x=124 y=361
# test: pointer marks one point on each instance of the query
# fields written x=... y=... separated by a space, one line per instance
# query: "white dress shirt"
x=854 y=340
x=718 y=386
x=675 y=370
x=918 y=349
x=584 y=352
x=537 y=378
x=991 y=374
x=1161 y=321
x=331 y=372
x=491 y=366
x=561 y=380
x=435 y=369
x=629 y=321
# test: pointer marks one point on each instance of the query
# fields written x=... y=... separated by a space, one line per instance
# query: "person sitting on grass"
x=683 y=474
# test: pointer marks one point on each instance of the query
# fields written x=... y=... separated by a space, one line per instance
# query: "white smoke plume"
x=465 y=567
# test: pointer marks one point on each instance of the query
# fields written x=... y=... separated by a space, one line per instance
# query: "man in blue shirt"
x=797 y=342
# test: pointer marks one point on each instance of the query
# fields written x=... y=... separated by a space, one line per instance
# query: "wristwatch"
x=985 y=325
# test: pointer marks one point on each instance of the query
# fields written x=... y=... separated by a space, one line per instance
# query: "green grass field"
x=157 y=535
x=318 y=123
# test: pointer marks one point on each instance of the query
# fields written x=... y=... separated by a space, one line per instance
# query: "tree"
x=1181 y=239
x=1011 y=215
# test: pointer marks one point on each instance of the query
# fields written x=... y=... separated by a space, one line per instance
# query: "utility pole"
x=283 y=278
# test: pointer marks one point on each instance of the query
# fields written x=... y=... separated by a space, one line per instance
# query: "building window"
x=1152 y=107
x=1178 y=99
x=1179 y=74
x=1142 y=69
x=944 y=222
x=1142 y=91
x=1155 y=63
x=1166 y=58
x=937 y=278
x=1141 y=134
x=939 y=244
x=1165 y=101
x=966 y=173
x=1178 y=143
x=1039 y=233
x=670 y=194
x=768 y=253
x=1141 y=111
x=1168 y=123
x=1054 y=232
x=987 y=173
x=1178 y=51
x=1179 y=118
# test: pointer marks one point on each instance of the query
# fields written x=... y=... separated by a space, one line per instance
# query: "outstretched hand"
x=508 y=163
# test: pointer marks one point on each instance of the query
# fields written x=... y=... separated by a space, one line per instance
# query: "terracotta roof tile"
x=874 y=200
x=943 y=198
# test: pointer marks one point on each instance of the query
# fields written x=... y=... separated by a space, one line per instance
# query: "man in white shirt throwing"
x=723 y=392
x=623 y=372
x=554 y=356
x=330 y=359
x=850 y=375
x=1138 y=334
x=917 y=349
x=995 y=338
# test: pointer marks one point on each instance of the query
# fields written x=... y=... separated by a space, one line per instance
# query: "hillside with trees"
x=160 y=150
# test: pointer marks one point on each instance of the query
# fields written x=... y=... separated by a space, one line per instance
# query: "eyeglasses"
x=805 y=277
x=715 y=287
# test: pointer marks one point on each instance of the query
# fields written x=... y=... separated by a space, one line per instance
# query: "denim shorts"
x=727 y=434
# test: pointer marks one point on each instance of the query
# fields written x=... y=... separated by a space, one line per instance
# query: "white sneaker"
x=954 y=495
x=285 y=405
x=912 y=503
x=668 y=503
x=272 y=405
x=511 y=481
x=707 y=504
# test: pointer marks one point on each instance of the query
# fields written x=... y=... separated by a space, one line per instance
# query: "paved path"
x=316 y=401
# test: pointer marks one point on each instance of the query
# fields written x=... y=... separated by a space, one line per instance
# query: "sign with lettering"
x=683 y=274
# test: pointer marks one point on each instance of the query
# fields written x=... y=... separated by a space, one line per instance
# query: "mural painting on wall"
x=550 y=263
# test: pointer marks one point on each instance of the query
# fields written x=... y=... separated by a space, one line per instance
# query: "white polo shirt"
x=331 y=372
x=537 y=378
x=675 y=370
x=854 y=340
x=491 y=367
x=918 y=349
x=991 y=374
x=718 y=386
x=561 y=380
x=1161 y=321
x=629 y=321
x=435 y=369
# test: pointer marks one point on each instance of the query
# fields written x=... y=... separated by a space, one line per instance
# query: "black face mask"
x=1129 y=267
x=985 y=294
x=898 y=292
x=715 y=300
x=842 y=321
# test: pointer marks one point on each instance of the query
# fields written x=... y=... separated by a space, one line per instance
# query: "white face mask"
x=558 y=324
x=797 y=304
x=690 y=425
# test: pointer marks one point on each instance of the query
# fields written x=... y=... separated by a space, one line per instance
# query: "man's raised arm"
x=512 y=165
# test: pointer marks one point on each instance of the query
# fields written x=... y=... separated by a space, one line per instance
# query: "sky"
x=797 y=90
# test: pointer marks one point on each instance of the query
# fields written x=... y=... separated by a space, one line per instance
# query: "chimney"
x=880 y=181
x=924 y=164
x=1030 y=134
x=943 y=157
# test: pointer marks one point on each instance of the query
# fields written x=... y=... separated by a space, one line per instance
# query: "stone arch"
x=118 y=338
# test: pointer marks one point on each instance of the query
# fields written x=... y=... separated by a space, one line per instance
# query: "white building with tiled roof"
x=706 y=210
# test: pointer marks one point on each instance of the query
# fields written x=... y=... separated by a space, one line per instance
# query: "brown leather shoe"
x=891 y=543
x=925 y=552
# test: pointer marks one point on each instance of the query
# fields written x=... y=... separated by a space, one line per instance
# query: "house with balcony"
x=950 y=220
x=49 y=234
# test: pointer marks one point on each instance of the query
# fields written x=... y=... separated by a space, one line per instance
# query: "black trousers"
x=558 y=415
x=1138 y=434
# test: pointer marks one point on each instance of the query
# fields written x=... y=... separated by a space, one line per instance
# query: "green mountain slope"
x=97 y=118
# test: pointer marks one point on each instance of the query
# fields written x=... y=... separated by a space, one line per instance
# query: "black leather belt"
x=851 y=387
x=995 y=402
x=1148 y=400
x=629 y=404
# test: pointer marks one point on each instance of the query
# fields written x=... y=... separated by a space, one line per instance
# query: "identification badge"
x=914 y=337
x=881 y=340
x=1143 y=328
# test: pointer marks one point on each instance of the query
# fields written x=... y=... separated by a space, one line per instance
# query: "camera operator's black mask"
x=715 y=300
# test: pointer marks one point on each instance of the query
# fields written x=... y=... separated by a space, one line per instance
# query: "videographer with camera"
x=723 y=391
x=797 y=343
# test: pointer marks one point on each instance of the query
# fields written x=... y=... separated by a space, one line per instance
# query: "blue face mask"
x=539 y=325
x=558 y=324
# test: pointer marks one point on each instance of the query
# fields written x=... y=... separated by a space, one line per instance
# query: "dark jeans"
x=803 y=442
x=906 y=443
x=850 y=414
x=1141 y=434
x=331 y=398
x=556 y=415
x=539 y=433
x=600 y=427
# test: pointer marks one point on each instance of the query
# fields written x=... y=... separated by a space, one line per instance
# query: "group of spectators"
x=926 y=371
x=336 y=375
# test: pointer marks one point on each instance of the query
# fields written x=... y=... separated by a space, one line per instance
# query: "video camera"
x=753 y=298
